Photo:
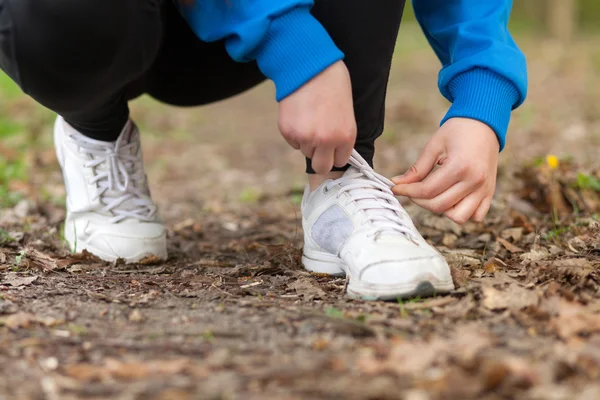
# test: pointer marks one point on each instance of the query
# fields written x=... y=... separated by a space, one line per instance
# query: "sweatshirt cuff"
x=296 y=49
x=485 y=96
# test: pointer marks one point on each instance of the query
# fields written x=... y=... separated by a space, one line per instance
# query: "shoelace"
x=375 y=197
x=120 y=177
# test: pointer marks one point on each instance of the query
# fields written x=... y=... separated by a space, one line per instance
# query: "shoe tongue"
x=126 y=137
x=369 y=204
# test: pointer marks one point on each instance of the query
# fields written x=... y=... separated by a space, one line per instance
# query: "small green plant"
x=5 y=237
x=334 y=312
x=10 y=171
x=556 y=232
x=19 y=258
x=208 y=336
x=250 y=196
x=585 y=181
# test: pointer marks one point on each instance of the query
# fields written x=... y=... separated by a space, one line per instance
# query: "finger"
x=422 y=167
x=482 y=210
x=433 y=185
x=463 y=211
x=292 y=143
x=342 y=155
x=322 y=160
x=308 y=150
x=446 y=199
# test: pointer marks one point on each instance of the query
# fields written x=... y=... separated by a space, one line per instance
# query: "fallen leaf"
x=430 y=303
x=126 y=371
x=514 y=297
x=490 y=266
x=509 y=246
x=7 y=307
x=512 y=233
x=136 y=316
x=305 y=287
x=574 y=319
x=572 y=263
x=2 y=258
x=535 y=255
x=449 y=239
x=14 y=280
x=21 y=320
x=442 y=224
x=460 y=276
x=462 y=257
x=41 y=260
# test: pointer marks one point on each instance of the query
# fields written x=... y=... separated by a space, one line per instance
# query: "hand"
x=463 y=185
x=319 y=119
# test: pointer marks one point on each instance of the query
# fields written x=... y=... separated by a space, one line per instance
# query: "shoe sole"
x=332 y=265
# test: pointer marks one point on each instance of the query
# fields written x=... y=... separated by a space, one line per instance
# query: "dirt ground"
x=232 y=314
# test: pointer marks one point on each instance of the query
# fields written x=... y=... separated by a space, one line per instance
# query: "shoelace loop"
x=120 y=180
x=375 y=197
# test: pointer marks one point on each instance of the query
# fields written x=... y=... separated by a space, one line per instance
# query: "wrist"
x=297 y=48
x=485 y=96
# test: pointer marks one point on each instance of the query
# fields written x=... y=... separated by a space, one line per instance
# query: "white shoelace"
x=375 y=197
x=119 y=175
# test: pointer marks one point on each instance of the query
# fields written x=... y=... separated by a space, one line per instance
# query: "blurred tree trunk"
x=561 y=18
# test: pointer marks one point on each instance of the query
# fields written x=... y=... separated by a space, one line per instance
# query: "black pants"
x=85 y=59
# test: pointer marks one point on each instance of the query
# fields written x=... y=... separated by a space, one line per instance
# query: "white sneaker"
x=109 y=209
x=355 y=226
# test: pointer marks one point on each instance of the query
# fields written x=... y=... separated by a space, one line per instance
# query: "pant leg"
x=76 y=56
x=366 y=31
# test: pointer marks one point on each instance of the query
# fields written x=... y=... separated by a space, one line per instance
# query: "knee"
x=77 y=43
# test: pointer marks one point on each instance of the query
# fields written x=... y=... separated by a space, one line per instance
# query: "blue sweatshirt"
x=484 y=73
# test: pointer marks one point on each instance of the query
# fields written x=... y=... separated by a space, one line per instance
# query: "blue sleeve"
x=288 y=43
x=484 y=73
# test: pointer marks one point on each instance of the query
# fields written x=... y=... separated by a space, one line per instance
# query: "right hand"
x=318 y=119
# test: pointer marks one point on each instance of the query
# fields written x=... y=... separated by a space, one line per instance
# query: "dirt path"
x=232 y=314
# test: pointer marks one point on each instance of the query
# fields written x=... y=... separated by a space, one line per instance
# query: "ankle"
x=314 y=180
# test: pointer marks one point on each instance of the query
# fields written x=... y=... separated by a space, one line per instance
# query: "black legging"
x=84 y=59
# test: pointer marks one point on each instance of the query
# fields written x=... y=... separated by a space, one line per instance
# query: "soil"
x=233 y=315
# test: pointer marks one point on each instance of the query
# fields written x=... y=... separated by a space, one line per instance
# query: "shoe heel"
x=323 y=264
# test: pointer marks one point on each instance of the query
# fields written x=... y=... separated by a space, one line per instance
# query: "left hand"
x=462 y=188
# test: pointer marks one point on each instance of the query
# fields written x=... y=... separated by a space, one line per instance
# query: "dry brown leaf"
x=512 y=233
x=460 y=276
x=126 y=371
x=431 y=303
x=136 y=316
x=536 y=254
x=2 y=258
x=307 y=288
x=462 y=257
x=14 y=280
x=441 y=224
x=576 y=263
x=490 y=266
x=87 y=372
x=509 y=246
x=41 y=260
x=574 y=319
x=513 y=297
x=21 y=320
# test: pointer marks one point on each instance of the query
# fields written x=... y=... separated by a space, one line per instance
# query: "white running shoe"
x=354 y=226
x=109 y=209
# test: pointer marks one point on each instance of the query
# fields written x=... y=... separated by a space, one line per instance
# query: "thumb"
x=423 y=166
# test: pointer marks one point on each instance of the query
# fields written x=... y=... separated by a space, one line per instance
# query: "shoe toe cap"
x=408 y=272
x=131 y=243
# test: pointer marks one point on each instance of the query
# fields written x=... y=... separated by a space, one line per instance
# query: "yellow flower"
x=552 y=161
